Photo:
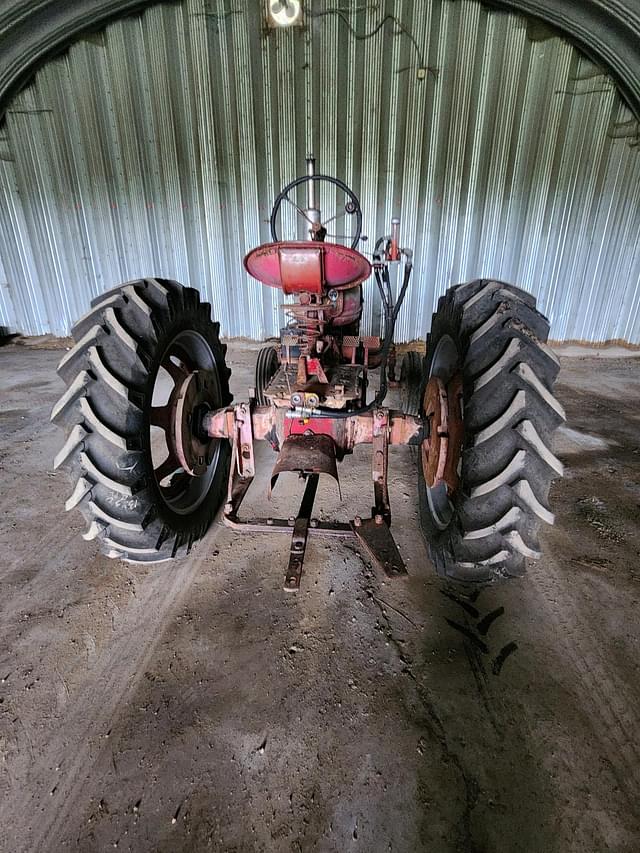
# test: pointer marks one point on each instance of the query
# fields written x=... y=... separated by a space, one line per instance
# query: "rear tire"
x=411 y=382
x=266 y=367
x=493 y=335
x=111 y=374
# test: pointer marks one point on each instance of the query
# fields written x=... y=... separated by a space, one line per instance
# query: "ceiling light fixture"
x=284 y=13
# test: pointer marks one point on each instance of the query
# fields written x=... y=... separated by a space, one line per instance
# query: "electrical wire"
x=364 y=36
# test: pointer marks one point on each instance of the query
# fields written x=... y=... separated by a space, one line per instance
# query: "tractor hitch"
x=310 y=446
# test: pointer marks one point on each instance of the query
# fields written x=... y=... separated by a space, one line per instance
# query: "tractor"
x=156 y=446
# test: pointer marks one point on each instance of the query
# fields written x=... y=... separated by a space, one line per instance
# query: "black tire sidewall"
x=446 y=322
x=267 y=356
x=194 y=320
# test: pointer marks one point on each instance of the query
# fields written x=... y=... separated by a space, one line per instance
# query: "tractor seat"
x=307 y=266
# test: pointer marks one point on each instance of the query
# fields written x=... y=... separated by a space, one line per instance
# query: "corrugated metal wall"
x=156 y=148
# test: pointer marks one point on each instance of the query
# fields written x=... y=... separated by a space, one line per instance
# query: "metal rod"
x=311 y=185
x=299 y=535
x=337 y=529
x=394 y=250
x=404 y=429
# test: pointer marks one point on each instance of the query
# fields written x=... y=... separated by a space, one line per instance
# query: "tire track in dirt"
x=434 y=725
x=602 y=692
x=52 y=538
x=484 y=656
x=76 y=745
x=57 y=547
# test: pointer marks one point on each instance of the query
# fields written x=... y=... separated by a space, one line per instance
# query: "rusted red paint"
x=346 y=432
x=338 y=266
x=440 y=455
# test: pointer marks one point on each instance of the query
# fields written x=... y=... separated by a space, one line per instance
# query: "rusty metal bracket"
x=314 y=455
x=380 y=464
x=299 y=536
x=374 y=535
x=242 y=468
x=267 y=421
x=307 y=454
x=243 y=440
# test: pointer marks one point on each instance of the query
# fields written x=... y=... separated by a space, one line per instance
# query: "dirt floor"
x=195 y=706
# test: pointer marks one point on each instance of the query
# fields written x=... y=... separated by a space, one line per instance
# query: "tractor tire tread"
x=411 y=382
x=510 y=415
x=110 y=376
x=267 y=364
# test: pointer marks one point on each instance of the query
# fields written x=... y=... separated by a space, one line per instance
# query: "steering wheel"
x=351 y=208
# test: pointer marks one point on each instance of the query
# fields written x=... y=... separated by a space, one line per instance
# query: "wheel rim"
x=184 y=460
x=440 y=452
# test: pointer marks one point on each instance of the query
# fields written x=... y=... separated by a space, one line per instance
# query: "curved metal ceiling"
x=30 y=33
x=608 y=31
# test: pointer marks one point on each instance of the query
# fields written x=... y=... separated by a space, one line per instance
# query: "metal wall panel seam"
x=459 y=121
x=18 y=260
x=7 y=311
x=230 y=166
x=392 y=139
x=624 y=266
x=500 y=165
x=373 y=70
x=478 y=133
x=538 y=182
x=595 y=123
x=270 y=185
x=209 y=184
x=409 y=200
x=188 y=153
x=249 y=197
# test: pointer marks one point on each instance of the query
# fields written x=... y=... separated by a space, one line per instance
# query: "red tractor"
x=155 y=445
